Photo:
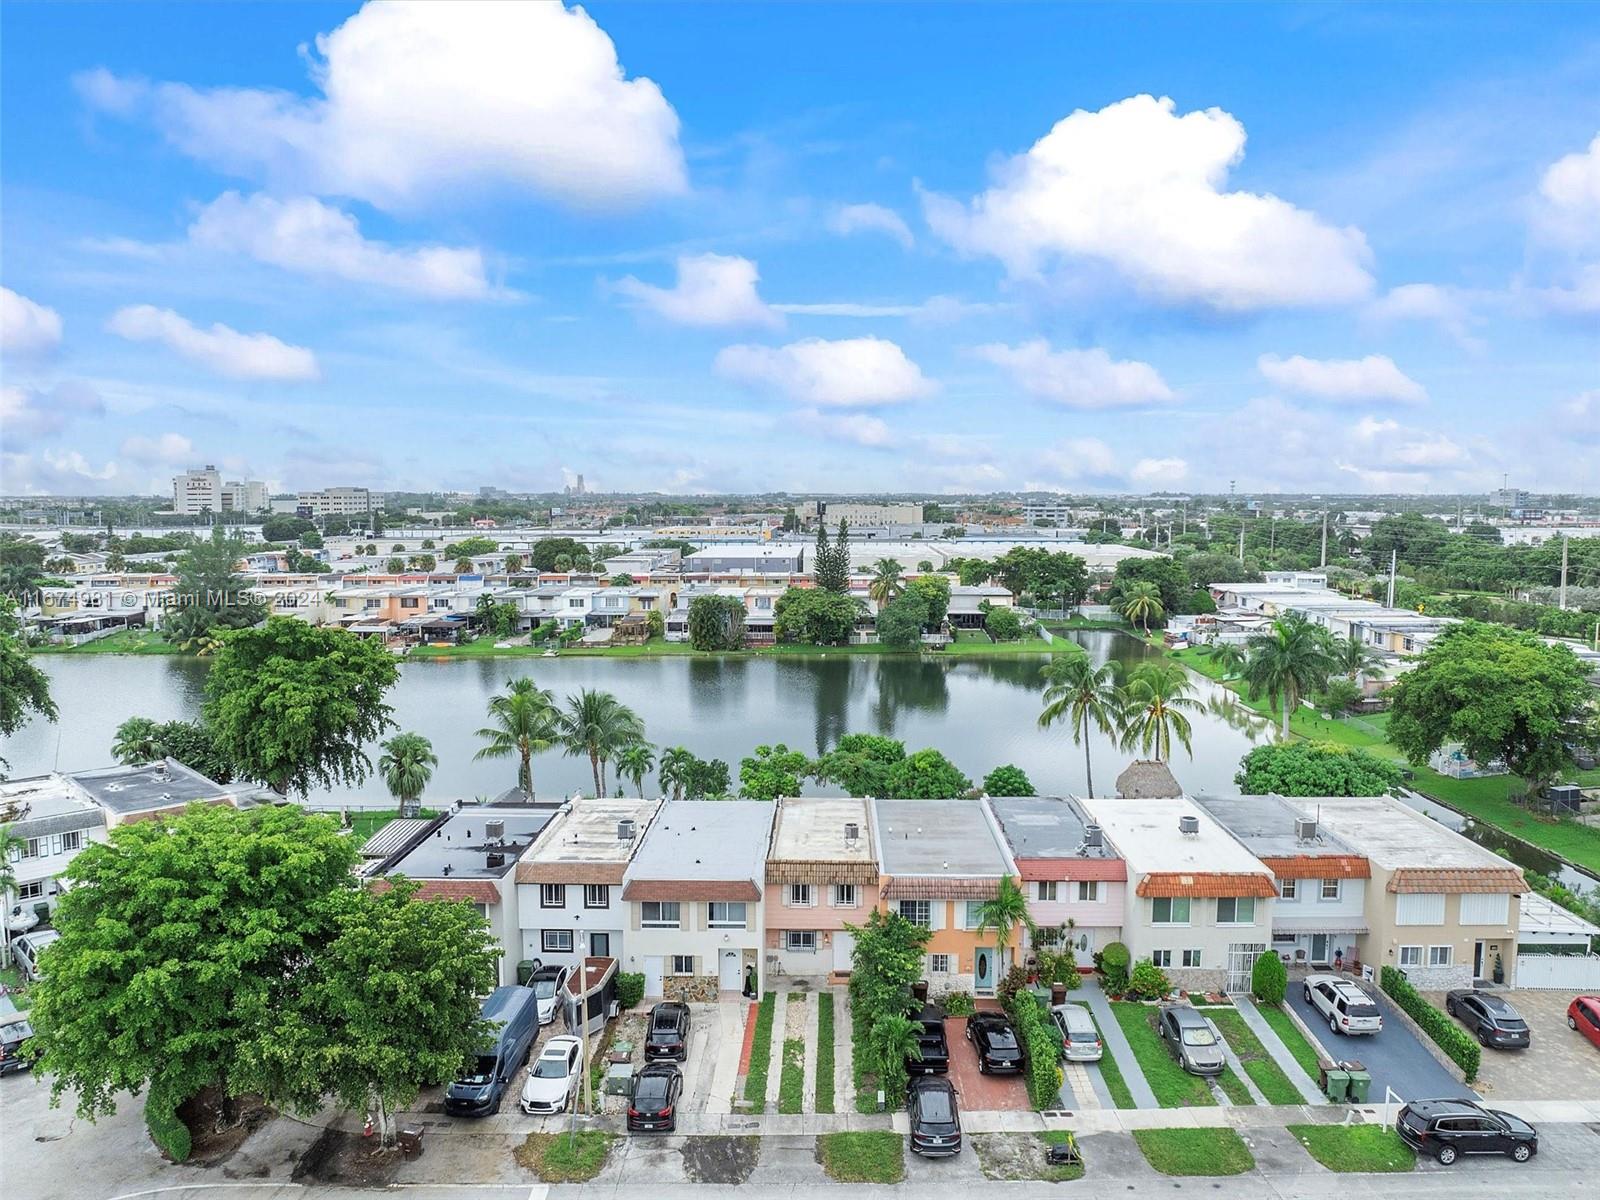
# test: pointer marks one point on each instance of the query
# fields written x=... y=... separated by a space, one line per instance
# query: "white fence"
x=1559 y=972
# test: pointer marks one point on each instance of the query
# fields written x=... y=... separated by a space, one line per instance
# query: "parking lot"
x=1394 y=1058
x=1559 y=1064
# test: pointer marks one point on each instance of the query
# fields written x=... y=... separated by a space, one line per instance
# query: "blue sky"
x=806 y=247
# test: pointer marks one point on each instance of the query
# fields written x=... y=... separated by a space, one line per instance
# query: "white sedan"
x=554 y=1075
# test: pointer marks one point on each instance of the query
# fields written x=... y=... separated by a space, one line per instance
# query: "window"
x=1484 y=908
x=597 y=895
x=1419 y=908
x=1331 y=889
x=798 y=895
x=1089 y=891
x=938 y=964
x=556 y=941
x=659 y=914
x=29 y=849
x=1236 y=910
x=410 y=602
x=1191 y=958
x=918 y=912
x=972 y=914
x=1161 y=958
x=1410 y=956
x=844 y=895
x=1167 y=910
x=31 y=891
x=1440 y=956
x=683 y=964
x=1047 y=889
x=552 y=895
x=1288 y=889
x=72 y=841
x=725 y=914
x=802 y=940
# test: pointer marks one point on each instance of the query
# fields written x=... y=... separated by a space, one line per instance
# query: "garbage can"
x=1360 y=1086
x=1337 y=1087
x=525 y=970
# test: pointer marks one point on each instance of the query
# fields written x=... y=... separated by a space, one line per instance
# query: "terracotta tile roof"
x=940 y=887
x=1034 y=870
x=1458 y=879
x=478 y=891
x=691 y=889
x=1210 y=883
x=570 y=872
x=1319 y=866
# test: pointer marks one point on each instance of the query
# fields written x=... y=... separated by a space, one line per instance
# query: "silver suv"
x=1346 y=1007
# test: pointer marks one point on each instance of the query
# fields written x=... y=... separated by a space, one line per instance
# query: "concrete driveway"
x=1560 y=1064
x=1394 y=1058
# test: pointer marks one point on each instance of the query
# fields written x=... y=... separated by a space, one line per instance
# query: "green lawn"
x=1112 y=1074
x=791 y=1085
x=1173 y=1086
x=1234 y=1089
x=1289 y=1034
x=755 y=1083
x=1264 y=1072
x=1368 y=1149
x=124 y=641
x=1195 y=1151
x=12 y=978
x=866 y=1080
x=824 y=1066
x=565 y=1157
x=875 y=1157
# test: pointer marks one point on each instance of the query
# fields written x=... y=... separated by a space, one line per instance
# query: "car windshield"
x=550 y=1068
x=544 y=988
x=936 y=1106
x=482 y=1071
x=1199 y=1036
x=652 y=1089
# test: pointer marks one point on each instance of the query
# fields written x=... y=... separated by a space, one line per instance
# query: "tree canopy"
x=927 y=775
x=24 y=689
x=861 y=763
x=1008 y=780
x=815 y=617
x=211 y=593
x=772 y=771
x=716 y=623
x=1316 y=769
x=546 y=551
x=901 y=621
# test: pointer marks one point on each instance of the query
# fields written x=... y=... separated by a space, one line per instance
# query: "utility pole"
x=1565 y=538
x=1392 y=556
x=1241 y=543
x=1324 y=540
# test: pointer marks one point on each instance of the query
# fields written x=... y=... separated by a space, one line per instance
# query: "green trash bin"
x=1337 y=1086
x=1360 y=1086
x=525 y=970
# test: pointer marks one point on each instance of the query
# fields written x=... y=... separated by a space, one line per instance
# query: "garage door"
x=844 y=945
x=652 y=975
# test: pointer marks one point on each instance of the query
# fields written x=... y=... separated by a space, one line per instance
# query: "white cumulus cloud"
x=1140 y=188
x=1570 y=195
x=1159 y=474
x=171 y=448
x=27 y=327
x=1374 y=377
x=27 y=414
x=221 y=349
x=852 y=372
x=861 y=429
x=870 y=218
x=712 y=289
x=422 y=100
x=1446 y=307
x=1079 y=378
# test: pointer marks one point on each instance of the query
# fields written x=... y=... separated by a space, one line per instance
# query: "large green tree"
x=24 y=689
x=862 y=763
x=716 y=623
x=21 y=565
x=291 y=704
x=901 y=621
x=211 y=593
x=935 y=589
x=141 y=740
x=1170 y=580
x=1152 y=704
x=815 y=617
x=1500 y=693
x=927 y=775
x=1008 y=780
x=772 y=771
x=1316 y=769
x=1289 y=661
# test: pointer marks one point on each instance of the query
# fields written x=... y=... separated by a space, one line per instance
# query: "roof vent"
x=852 y=832
x=496 y=858
x=1093 y=837
x=625 y=828
x=494 y=831
x=1189 y=825
x=161 y=770
x=1305 y=829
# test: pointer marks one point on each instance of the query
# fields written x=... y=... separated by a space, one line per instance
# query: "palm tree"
x=1288 y=663
x=1140 y=603
x=524 y=724
x=1003 y=913
x=406 y=765
x=635 y=762
x=463 y=565
x=888 y=581
x=892 y=1040
x=1084 y=695
x=1153 y=700
x=597 y=724
x=513 y=564
x=1353 y=656
x=137 y=742
x=677 y=770
x=1228 y=656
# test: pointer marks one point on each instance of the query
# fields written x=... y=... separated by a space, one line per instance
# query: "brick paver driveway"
x=980 y=1091
x=1560 y=1064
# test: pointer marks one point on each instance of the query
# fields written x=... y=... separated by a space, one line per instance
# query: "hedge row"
x=1041 y=1041
x=1450 y=1037
x=630 y=989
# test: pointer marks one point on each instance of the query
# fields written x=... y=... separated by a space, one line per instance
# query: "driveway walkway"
x=1394 y=1058
x=1560 y=1064
x=1280 y=1053
x=1116 y=1043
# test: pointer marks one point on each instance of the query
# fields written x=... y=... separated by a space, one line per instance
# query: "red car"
x=1583 y=1014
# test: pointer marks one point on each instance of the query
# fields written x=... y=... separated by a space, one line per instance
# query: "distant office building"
x=335 y=502
x=1047 y=510
x=1509 y=498
x=785 y=558
x=862 y=516
x=202 y=491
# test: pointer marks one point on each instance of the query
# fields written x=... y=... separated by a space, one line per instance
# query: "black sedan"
x=1447 y=1129
x=669 y=1032
x=654 y=1106
x=992 y=1035
x=1492 y=1019
x=935 y=1119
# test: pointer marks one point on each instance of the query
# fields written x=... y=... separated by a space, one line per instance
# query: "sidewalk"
x=1116 y=1043
x=1275 y=1047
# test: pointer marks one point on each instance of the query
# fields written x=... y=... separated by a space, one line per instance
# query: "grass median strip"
x=1195 y=1151
x=1264 y=1072
x=1358 y=1148
x=565 y=1157
x=755 y=1083
x=791 y=1084
x=1111 y=1073
x=1173 y=1086
x=1234 y=1088
x=1289 y=1034
x=872 y=1157
x=824 y=1052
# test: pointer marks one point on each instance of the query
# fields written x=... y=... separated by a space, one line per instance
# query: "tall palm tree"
x=1153 y=702
x=406 y=766
x=1003 y=913
x=1140 y=603
x=513 y=564
x=677 y=769
x=635 y=762
x=524 y=724
x=463 y=565
x=137 y=742
x=1289 y=662
x=888 y=581
x=1353 y=656
x=1084 y=695
x=598 y=725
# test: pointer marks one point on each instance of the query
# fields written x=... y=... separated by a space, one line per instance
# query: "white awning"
x=1541 y=919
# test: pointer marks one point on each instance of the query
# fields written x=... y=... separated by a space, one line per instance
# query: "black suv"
x=669 y=1032
x=995 y=1040
x=1448 y=1129
x=653 y=1106
x=935 y=1119
x=1492 y=1020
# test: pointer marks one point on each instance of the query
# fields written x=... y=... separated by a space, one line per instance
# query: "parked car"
x=935 y=1116
x=1080 y=1040
x=1448 y=1129
x=1345 y=1007
x=27 y=947
x=546 y=983
x=931 y=1041
x=14 y=1034
x=1492 y=1019
x=21 y=918
x=669 y=1032
x=1192 y=1039
x=514 y=1013
x=992 y=1035
x=554 y=1077
x=1583 y=1014
x=653 y=1108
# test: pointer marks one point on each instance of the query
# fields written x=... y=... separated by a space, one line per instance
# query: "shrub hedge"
x=167 y=1129
x=630 y=989
x=957 y=1003
x=1148 y=981
x=1268 y=979
x=1041 y=1041
x=1113 y=962
x=1456 y=1042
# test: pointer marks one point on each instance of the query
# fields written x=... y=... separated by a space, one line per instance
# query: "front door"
x=1319 y=948
x=728 y=977
x=983 y=970
x=1477 y=960
x=653 y=974
x=844 y=945
x=600 y=945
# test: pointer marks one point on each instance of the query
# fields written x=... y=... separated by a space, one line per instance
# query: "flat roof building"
x=822 y=872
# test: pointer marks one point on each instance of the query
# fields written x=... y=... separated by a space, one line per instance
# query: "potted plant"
x=1499 y=970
